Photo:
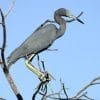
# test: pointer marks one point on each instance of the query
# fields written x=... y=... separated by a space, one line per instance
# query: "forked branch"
x=82 y=92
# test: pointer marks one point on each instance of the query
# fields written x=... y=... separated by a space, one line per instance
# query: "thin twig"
x=10 y=8
x=76 y=18
x=52 y=49
x=88 y=97
x=4 y=66
x=85 y=93
x=64 y=90
x=43 y=66
x=38 y=60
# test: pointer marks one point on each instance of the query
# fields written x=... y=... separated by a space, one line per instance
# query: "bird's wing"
x=40 y=39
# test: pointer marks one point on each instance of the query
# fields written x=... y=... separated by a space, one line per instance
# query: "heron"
x=41 y=39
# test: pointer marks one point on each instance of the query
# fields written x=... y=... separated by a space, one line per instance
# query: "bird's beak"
x=75 y=18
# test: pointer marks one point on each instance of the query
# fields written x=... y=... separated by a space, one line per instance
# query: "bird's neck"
x=62 y=26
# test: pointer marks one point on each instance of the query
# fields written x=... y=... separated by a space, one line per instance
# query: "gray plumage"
x=42 y=38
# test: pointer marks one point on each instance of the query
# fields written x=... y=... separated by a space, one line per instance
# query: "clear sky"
x=77 y=60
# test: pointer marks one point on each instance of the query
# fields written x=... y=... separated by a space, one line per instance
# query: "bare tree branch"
x=81 y=95
x=91 y=83
x=3 y=62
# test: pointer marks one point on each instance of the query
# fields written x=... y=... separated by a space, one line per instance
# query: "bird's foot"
x=45 y=77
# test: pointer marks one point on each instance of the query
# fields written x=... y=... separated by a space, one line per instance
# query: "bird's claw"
x=45 y=77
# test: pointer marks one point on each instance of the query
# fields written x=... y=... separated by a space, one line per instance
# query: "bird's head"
x=67 y=13
x=64 y=12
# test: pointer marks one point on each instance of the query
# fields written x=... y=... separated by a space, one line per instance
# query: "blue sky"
x=77 y=60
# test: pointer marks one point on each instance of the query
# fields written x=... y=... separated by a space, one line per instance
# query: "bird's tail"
x=13 y=57
x=10 y=61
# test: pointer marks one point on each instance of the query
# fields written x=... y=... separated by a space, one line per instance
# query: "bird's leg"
x=43 y=76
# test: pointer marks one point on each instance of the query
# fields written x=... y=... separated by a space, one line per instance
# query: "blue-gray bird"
x=42 y=38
